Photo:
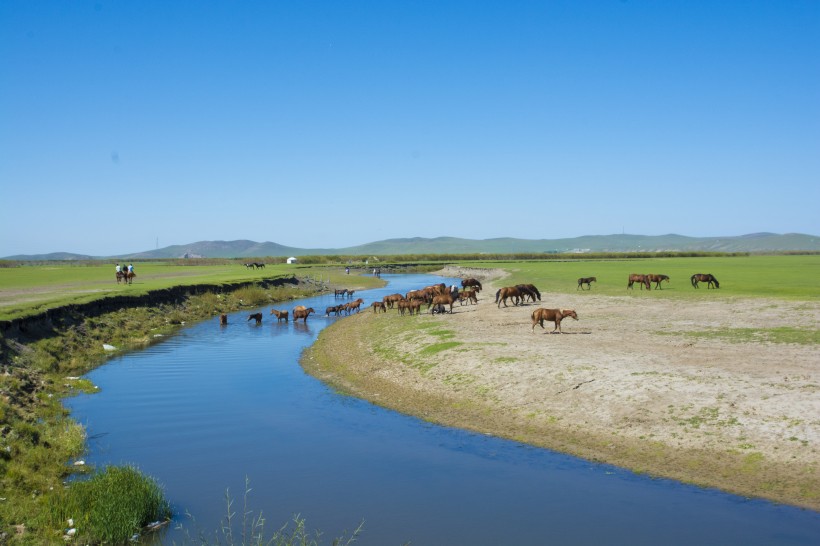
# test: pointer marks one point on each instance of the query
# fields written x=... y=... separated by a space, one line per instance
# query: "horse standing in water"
x=708 y=278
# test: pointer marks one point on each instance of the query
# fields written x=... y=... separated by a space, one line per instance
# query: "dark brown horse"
x=643 y=279
x=530 y=291
x=473 y=283
x=708 y=278
x=257 y=317
x=341 y=292
x=223 y=319
x=657 y=279
x=586 y=281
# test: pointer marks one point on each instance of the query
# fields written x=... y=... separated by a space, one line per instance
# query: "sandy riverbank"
x=627 y=384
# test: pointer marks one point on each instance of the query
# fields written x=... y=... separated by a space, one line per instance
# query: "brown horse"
x=280 y=315
x=530 y=291
x=354 y=306
x=467 y=295
x=391 y=300
x=554 y=315
x=378 y=306
x=337 y=293
x=471 y=283
x=303 y=313
x=257 y=317
x=657 y=279
x=223 y=319
x=508 y=292
x=335 y=309
x=441 y=300
x=586 y=281
x=708 y=278
x=643 y=279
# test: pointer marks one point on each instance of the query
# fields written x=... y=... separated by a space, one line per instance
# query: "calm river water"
x=209 y=407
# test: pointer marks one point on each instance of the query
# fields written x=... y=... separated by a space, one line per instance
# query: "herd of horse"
x=647 y=280
x=439 y=298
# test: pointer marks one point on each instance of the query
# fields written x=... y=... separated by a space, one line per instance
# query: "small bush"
x=251 y=296
x=111 y=506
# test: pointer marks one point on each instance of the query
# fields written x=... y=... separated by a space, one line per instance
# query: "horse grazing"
x=280 y=315
x=554 y=315
x=303 y=313
x=657 y=279
x=586 y=281
x=471 y=283
x=530 y=291
x=378 y=306
x=642 y=279
x=708 y=278
x=257 y=317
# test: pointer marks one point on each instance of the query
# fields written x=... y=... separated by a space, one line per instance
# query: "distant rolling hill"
x=755 y=242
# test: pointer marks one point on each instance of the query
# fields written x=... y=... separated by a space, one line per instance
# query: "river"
x=212 y=406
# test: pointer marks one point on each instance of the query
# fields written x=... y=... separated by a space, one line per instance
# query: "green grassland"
x=786 y=277
x=28 y=290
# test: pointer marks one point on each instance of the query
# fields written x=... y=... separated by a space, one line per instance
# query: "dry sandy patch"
x=626 y=384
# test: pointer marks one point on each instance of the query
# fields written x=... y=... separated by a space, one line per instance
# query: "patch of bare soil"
x=624 y=384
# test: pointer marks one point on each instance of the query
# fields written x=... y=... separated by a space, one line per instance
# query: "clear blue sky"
x=332 y=124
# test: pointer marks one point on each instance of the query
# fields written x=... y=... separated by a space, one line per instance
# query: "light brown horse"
x=443 y=300
x=391 y=300
x=257 y=317
x=303 y=313
x=354 y=306
x=554 y=315
x=643 y=279
x=280 y=315
x=467 y=295
x=586 y=281
x=657 y=279
x=509 y=292
x=708 y=278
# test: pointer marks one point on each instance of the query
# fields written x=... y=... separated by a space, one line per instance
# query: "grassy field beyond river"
x=710 y=389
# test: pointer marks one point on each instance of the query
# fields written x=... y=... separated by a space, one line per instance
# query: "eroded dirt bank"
x=627 y=384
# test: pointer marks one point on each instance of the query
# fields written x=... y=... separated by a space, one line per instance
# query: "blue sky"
x=332 y=124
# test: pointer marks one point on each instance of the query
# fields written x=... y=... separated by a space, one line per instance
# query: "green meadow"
x=30 y=289
x=786 y=277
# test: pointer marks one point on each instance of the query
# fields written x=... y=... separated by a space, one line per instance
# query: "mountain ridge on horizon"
x=245 y=248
